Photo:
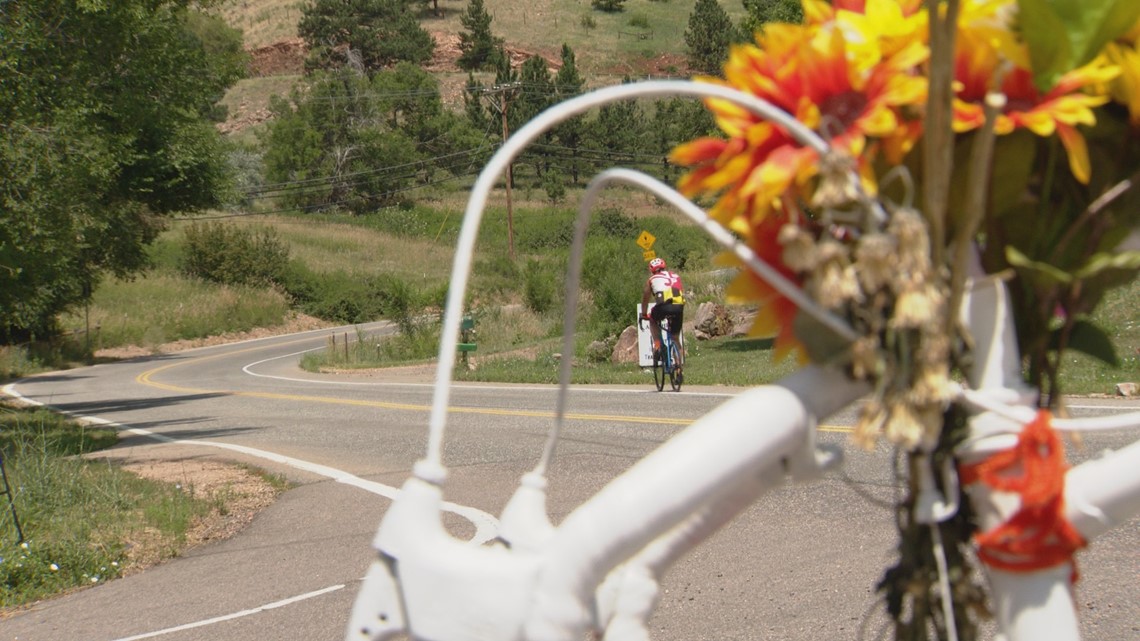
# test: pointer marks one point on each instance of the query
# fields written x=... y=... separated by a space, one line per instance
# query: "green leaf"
x=1045 y=33
x=1038 y=273
x=1011 y=169
x=1105 y=271
x=1089 y=339
x=1065 y=34
x=1123 y=265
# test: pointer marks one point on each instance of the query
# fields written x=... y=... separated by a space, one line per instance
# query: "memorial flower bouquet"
x=999 y=133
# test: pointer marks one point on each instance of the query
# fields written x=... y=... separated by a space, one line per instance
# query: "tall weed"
x=166 y=307
x=76 y=516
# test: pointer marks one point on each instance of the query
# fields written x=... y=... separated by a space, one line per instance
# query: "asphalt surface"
x=800 y=564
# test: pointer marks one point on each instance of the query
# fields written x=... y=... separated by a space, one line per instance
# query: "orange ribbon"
x=1038 y=535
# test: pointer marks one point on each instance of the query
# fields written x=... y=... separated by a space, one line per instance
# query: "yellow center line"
x=147 y=378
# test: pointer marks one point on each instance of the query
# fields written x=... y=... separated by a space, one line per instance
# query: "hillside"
x=605 y=52
x=540 y=27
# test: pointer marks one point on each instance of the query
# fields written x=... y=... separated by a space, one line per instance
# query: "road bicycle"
x=668 y=361
x=599 y=569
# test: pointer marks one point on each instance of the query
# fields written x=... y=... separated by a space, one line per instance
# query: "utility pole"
x=505 y=92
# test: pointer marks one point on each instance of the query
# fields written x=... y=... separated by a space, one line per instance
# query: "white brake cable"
x=431 y=468
x=1021 y=415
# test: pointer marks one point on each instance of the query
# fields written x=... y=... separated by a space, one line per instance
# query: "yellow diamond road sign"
x=646 y=240
x=649 y=254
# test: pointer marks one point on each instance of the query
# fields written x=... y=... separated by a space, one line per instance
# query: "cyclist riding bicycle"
x=666 y=290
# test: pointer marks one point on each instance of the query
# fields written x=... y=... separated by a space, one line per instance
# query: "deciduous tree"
x=356 y=143
x=103 y=129
x=761 y=12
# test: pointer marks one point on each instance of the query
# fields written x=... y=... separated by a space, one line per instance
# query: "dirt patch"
x=236 y=493
x=283 y=58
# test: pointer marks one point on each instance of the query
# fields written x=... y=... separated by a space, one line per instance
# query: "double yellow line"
x=147 y=378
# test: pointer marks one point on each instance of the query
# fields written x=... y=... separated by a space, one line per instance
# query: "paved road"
x=799 y=565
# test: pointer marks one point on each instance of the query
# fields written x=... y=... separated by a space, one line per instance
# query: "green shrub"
x=554 y=184
x=233 y=255
x=538 y=287
x=495 y=277
x=544 y=230
x=615 y=223
x=614 y=273
x=609 y=6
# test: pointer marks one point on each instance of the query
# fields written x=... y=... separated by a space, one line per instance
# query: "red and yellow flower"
x=849 y=93
x=987 y=52
x=854 y=72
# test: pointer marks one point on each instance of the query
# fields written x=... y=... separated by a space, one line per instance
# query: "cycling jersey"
x=667 y=287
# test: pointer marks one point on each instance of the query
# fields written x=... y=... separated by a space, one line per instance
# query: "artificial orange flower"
x=851 y=95
x=872 y=28
x=808 y=73
x=1058 y=111
x=775 y=313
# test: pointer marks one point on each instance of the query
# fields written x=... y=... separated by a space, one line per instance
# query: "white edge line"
x=235 y=615
x=486 y=526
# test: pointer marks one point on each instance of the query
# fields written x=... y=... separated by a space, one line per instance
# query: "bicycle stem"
x=1099 y=494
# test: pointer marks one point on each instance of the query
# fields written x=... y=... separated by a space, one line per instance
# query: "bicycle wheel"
x=676 y=372
x=659 y=371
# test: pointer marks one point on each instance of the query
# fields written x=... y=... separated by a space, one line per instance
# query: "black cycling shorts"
x=675 y=312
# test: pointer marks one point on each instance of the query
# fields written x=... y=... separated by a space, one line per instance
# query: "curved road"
x=801 y=564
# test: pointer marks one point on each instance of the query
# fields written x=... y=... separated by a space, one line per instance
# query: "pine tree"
x=568 y=82
x=569 y=134
x=709 y=33
x=364 y=34
x=477 y=44
x=609 y=6
x=473 y=106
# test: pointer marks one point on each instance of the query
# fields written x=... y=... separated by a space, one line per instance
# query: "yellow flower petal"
x=1078 y=152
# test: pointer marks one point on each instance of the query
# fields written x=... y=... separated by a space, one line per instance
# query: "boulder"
x=712 y=320
x=742 y=322
x=598 y=351
x=625 y=350
x=1127 y=389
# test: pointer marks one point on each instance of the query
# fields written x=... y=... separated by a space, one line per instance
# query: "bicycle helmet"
x=656 y=265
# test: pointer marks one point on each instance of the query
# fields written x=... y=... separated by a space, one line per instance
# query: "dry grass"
x=263 y=22
x=331 y=247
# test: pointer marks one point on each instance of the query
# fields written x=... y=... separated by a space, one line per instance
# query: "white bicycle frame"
x=599 y=569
